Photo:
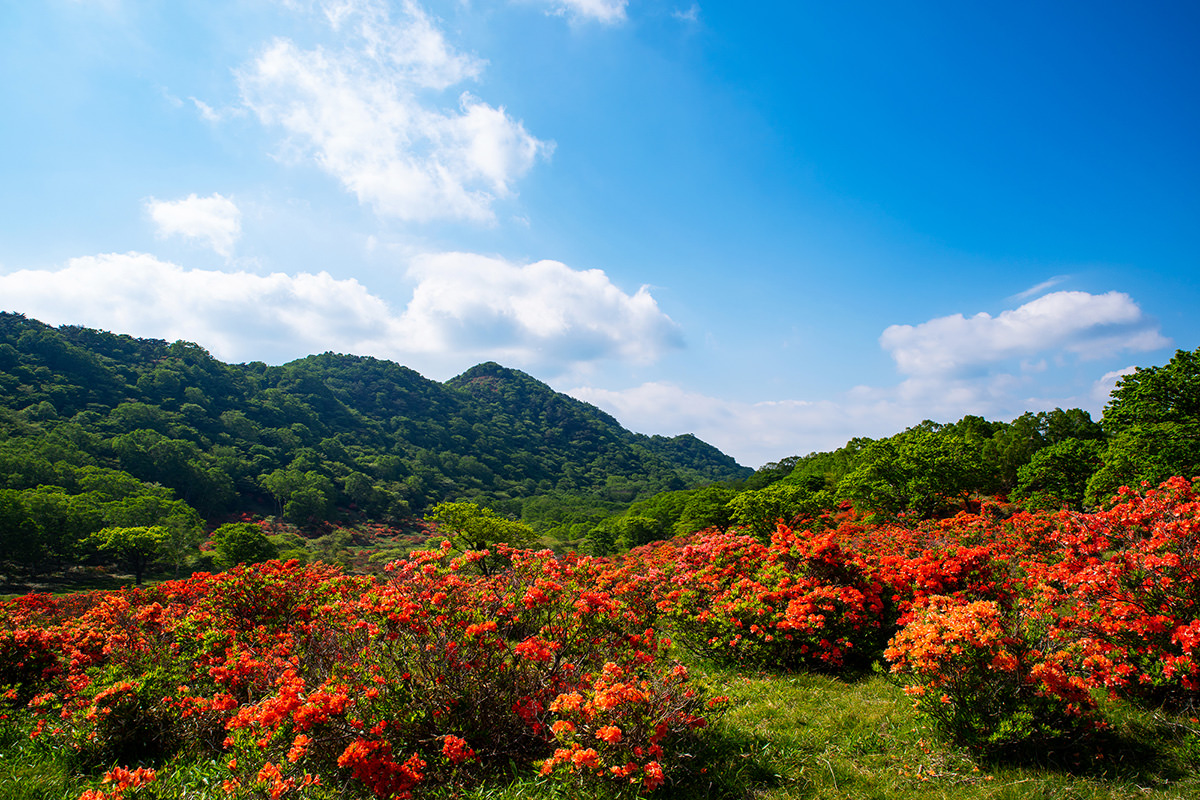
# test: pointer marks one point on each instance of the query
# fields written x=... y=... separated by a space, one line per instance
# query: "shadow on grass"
x=67 y=581
x=723 y=763
x=1144 y=752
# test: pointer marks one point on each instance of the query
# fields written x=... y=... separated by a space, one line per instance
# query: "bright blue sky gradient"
x=775 y=225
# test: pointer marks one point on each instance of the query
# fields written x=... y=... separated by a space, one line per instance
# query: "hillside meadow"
x=996 y=654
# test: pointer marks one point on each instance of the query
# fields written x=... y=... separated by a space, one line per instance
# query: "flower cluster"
x=302 y=675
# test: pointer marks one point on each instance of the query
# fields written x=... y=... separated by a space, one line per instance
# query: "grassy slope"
x=790 y=736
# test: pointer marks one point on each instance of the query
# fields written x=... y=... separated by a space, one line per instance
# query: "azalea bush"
x=802 y=601
x=306 y=680
x=975 y=670
x=1129 y=584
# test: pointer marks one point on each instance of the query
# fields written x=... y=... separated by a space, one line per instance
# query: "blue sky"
x=774 y=225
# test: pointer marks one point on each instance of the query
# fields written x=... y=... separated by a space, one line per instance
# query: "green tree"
x=1152 y=421
x=1058 y=475
x=634 y=530
x=137 y=546
x=602 y=538
x=241 y=543
x=706 y=508
x=470 y=527
x=921 y=471
x=154 y=507
x=760 y=511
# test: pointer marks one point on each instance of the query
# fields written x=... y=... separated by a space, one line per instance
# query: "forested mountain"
x=324 y=437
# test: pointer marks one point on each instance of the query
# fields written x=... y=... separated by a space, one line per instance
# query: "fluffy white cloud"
x=1087 y=325
x=365 y=114
x=214 y=220
x=543 y=313
x=464 y=309
x=237 y=315
x=606 y=11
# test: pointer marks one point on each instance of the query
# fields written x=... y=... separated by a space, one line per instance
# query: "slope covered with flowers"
x=308 y=682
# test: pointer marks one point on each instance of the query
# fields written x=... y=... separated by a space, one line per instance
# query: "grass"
x=785 y=736
x=816 y=737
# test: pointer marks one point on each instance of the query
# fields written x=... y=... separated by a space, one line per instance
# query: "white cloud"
x=1039 y=288
x=1087 y=325
x=364 y=114
x=465 y=309
x=544 y=313
x=606 y=11
x=215 y=220
x=207 y=112
x=237 y=315
x=691 y=14
x=996 y=367
x=753 y=433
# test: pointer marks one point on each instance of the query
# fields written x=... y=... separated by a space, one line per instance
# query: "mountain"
x=321 y=437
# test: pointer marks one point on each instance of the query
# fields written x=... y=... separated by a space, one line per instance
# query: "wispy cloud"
x=1033 y=291
x=609 y=12
x=690 y=14
x=214 y=220
x=366 y=112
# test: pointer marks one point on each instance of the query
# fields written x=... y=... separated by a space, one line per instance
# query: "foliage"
x=920 y=471
x=1057 y=476
x=138 y=546
x=976 y=673
x=325 y=438
x=242 y=543
x=1153 y=425
x=305 y=681
x=304 y=677
x=469 y=527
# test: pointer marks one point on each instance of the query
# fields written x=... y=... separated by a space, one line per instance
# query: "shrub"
x=975 y=671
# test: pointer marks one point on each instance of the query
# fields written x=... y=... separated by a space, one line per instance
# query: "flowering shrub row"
x=1004 y=626
x=307 y=680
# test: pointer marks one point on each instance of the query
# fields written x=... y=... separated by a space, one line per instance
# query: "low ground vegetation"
x=988 y=654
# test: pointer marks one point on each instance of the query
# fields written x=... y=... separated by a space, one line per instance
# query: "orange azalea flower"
x=609 y=733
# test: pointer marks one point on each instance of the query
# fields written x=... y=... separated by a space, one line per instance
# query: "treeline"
x=1150 y=431
x=325 y=439
x=105 y=432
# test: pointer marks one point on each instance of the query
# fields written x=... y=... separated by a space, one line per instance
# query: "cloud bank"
x=465 y=308
x=367 y=112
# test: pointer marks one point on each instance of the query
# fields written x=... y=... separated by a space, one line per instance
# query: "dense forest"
x=99 y=429
x=101 y=432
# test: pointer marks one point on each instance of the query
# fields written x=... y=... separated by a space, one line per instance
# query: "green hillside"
x=325 y=438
